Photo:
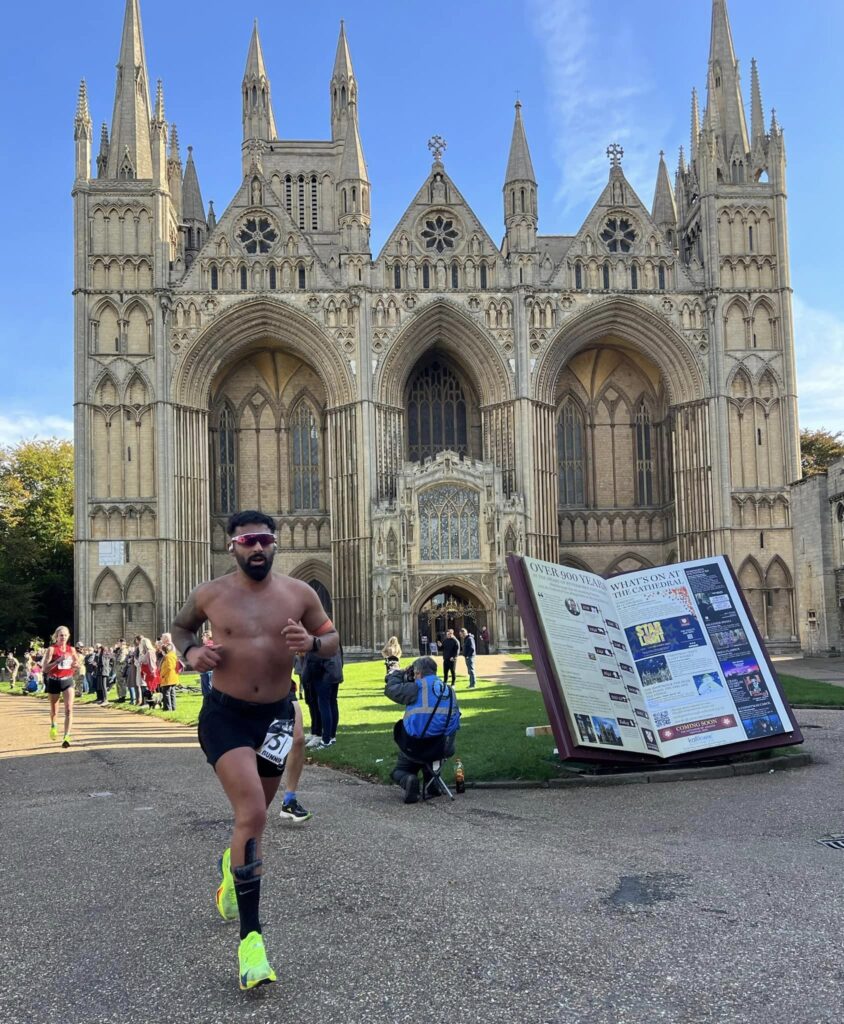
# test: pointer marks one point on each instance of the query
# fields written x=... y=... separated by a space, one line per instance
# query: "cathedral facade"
x=618 y=397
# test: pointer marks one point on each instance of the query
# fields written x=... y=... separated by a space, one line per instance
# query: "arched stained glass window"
x=436 y=413
x=227 y=461
x=578 y=276
x=215 y=279
x=397 y=275
x=570 y=454
x=455 y=275
x=305 y=445
x=483 y=275
x=644 y=457
x=448 y=524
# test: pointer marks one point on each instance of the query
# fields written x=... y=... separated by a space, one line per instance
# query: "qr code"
x=661 y=718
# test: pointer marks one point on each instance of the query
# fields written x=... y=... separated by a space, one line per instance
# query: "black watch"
x=185 y=651
x=315 y=646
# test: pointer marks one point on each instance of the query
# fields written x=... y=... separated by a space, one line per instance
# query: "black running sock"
x=247 y=887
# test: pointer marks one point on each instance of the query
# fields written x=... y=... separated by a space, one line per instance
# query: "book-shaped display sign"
x=660 y=663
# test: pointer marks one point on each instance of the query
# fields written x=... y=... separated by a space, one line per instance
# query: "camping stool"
x=436 y=780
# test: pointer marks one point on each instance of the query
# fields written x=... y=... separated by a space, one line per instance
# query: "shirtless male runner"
x=260 y=621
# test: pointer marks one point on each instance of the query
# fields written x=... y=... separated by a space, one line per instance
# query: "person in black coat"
x=469 y=650
x=451 y=648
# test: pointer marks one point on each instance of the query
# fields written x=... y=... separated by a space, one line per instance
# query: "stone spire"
x=519 y=164
x=174 y=172
x=520 y=205
x=695 y=127
x=258 y=117
x=664 y=208
x=353 y=164
x=211 y=220
x=343 y=87
x=757 y=113
x=724 y=91
x=130 y=153
x=193 y=209
x=353 y=189
x=83 y=133
x=158 y=137
x=102 y=156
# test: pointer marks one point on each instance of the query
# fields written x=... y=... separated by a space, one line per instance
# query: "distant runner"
x=260 y=621
x=59 y=668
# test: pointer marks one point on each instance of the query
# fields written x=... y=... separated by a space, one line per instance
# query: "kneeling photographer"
x=431 y=719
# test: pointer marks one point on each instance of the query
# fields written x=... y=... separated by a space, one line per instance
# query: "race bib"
x=278 y=741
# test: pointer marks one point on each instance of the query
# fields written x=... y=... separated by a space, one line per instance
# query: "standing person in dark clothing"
x=469 y=650
x=103 y=675
x=451 y=648
x=485 y=639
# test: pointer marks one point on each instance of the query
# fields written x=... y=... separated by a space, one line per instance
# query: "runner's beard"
x=256 y=567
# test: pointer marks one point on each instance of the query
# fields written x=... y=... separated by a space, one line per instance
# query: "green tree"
x=36 y=539
x=818 y=448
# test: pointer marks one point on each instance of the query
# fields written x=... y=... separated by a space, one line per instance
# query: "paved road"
x=688 y=903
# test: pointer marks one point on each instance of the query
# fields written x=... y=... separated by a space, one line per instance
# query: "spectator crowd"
x=139 y=672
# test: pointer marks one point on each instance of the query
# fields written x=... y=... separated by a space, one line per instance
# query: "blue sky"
x=452 y=69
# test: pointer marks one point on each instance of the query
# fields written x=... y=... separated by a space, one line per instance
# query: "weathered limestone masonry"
x=613 y=398
x=818 y=516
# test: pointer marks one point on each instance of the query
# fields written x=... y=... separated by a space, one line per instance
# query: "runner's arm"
x=183 y=633
x=314 y=623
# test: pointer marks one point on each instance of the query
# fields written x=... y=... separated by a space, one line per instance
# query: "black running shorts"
x=57 y=686
x=226 y=723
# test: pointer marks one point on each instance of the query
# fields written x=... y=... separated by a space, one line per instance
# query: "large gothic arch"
x=636 y=324
x=443 y=325
x=259 y=320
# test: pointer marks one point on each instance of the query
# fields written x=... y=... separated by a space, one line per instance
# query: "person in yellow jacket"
x=169 y=672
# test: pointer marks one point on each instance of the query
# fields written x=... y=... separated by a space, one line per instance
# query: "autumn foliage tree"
x=818 y=448
x=36 y=540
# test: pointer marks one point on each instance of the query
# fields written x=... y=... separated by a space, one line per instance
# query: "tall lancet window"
x=227 y=461
x=570 y=455
x=305 y=444
x=436 y=414
x=644 y=457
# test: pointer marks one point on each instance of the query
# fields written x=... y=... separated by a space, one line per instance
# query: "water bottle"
x=459 y=777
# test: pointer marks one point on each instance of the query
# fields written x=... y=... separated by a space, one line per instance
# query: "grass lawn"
x=801 y=693
x=491 y=743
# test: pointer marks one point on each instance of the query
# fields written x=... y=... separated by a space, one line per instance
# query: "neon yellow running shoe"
x=254 y=969
x=226 y=896
x=54 y=732
x=66 y=740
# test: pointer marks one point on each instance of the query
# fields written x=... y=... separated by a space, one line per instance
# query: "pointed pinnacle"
x=82 y=112
x=104 y=138
x=174 y=144
x=343 y=58
x=159 y=102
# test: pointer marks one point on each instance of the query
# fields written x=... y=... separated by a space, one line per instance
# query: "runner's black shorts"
x=226 y=723
x=57 y=686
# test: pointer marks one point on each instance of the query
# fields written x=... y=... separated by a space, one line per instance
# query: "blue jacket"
x=431 y=693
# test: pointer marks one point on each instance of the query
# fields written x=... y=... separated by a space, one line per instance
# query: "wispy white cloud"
x=598 y=95
x=19 y=428
x=819 y=342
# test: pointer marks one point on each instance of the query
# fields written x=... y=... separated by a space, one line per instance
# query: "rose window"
x=618 y=234
x=257 y=234
x=439 y=233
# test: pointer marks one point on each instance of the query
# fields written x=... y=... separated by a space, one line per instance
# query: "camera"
x=392 y=665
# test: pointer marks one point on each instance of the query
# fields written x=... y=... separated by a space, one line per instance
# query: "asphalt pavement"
x=680 y=902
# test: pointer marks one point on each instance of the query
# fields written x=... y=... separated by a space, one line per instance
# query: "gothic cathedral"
x=619 y=397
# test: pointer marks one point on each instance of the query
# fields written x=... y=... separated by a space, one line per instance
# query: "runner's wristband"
x=185 y=651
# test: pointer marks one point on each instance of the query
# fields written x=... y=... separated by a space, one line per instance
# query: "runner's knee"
x=252 y=817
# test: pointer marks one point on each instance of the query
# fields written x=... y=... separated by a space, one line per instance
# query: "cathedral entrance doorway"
x=452 y=608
